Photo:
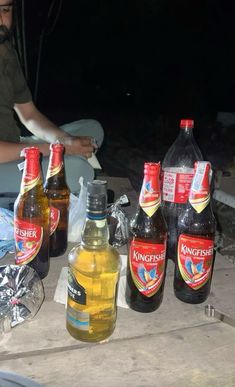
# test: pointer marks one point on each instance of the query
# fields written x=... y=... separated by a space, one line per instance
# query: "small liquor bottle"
x=93 y=274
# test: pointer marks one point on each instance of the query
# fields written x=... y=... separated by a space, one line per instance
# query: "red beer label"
x=31 y=177
x=56 y=160
x=54 y=219
x=195 y=257
x=28 y=241
x=176 y=186
x=147 y=265
x=150 y=196
x=53 y=170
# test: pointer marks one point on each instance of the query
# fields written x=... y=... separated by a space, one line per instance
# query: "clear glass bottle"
x=147 y=252
x=93 y=274
x=196 y=233
x=31 y=217
x=178 y=170
x=57 y=192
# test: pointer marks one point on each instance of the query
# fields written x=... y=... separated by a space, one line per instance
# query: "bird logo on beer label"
x=28 y=241
x=147 y=277
x=194 y=269
x=150 y=198
x=147 y=265
x=195 y=256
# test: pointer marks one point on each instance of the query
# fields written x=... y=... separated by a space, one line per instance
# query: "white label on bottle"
x=78 y=319
x=21 y=166
x=176 y=184
x=169 y=182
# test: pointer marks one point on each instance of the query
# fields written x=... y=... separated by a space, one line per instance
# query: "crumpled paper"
x=21 y=295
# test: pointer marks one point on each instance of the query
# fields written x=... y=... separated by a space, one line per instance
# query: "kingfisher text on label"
x=195 y=258
x=147 y=266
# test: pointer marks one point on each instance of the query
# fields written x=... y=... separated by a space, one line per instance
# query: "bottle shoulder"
x=197 y=223
x=35 y=195
x=53 y=193
x=56 y=185
x=182 y=153
x=150 y=228
x=94 y=260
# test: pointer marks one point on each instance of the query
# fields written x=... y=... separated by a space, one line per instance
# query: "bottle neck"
x=31 y=178
x=150 y=195
x=199 y=195
x=56 y=168
x=95 y=232
x=186 y=132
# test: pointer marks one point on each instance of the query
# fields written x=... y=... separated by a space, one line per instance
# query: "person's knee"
x=98 y=131
x=12 y=177
x=85 y=127
x=76 y=167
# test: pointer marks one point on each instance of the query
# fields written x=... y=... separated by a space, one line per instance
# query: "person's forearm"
x=38 y=124
x=43 y=128
x=10 y=151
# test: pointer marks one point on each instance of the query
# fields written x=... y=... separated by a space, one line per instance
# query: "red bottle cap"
x=57 y=147
x=186 y=124
x=32 y=151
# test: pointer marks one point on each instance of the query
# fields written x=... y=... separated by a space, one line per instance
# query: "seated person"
x=81 y=138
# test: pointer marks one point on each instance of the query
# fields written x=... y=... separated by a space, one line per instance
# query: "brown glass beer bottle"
x=58 y=193
x=196 y=232
x=148 y=233
x=31 y=217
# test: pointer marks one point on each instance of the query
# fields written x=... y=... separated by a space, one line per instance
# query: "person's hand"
x=83 y=146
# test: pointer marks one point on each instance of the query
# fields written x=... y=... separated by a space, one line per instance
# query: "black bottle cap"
x=97 y=195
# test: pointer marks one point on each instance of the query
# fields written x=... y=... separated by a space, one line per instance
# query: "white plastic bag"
x=6 y=224
x=77 y=213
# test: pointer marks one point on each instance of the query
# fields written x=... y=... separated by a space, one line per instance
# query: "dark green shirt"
x=13 y=89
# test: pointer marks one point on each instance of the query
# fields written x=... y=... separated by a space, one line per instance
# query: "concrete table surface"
x=177 y=345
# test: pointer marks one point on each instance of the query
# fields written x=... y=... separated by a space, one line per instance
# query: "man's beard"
x=5 y=34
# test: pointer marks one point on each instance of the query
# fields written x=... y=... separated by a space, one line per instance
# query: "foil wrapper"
x=115 y=210
x=21 y=295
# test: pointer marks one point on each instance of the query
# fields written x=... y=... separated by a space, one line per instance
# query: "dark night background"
x=138 y=66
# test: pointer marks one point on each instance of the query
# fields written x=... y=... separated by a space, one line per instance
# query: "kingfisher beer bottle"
x=196 y=233
x=177 y=177
x=58 y=193
x=31 y=217
x=148 y=233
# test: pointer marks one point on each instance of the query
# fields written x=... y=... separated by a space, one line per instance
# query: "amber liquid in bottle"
x=93 y=275
x=57 y=193
x=31 y=217
x=146 y=261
